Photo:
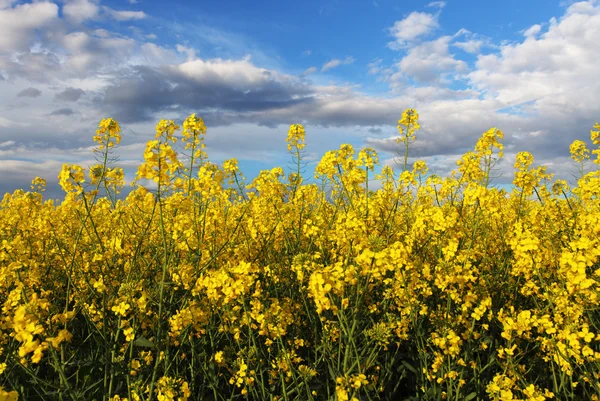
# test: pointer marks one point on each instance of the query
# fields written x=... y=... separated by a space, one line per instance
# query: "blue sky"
x=345 y=69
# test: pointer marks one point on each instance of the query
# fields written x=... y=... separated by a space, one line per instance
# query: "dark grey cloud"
x=32 y=66
x=29 y=92
x=226 y=92
x=70 y=95
x=65 y=111
x=142 y=91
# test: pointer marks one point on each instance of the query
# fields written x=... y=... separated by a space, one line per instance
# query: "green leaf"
x=143 y=342
x=409 y=367
x=471 y=396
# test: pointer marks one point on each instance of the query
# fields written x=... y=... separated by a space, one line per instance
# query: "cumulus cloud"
x=226 y=92
x=153 y=54
x=6 y=3
x=428 y=63
x=89 y=52
x=188 y=51
x=541 y=91
x=29 y=92
x=561 y=62
x=36 y=66
x=532 y=31
x=79 y=11
x=470 y=46
x=19 y=24
x=227 y=85
x=415 y=25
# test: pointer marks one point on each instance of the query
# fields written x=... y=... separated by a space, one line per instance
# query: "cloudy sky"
x=344 y=68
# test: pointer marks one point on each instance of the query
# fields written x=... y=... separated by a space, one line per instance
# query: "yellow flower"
x=121 y=309
x=295 y=138
x=367 y=157
x=420 y=167
x=63 y=335
x=38 y=184
x=129 y=334
x=71 y=177
x=8 y=395
x=579 y=151
x=108 y=133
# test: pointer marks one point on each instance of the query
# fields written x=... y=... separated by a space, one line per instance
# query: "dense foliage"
x=203 y=286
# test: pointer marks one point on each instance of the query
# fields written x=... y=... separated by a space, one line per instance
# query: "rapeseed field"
x=205 y=286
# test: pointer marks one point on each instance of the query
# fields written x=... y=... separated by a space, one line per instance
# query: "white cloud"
x=429 y=61
x=470 y=46
x=375 y=66
x=125 y=15
x=417 y=24
x=533 y=30
x=331 y=64
x=89 y=52
x=589 y=7
x=188 y=51
x=6 y=123
x=472 y=43
x=20 y=23
x=7 y=144
x=157 y=55
x=238 y=73
x=308 y=71
x=437 y=4
x=6 y=3
x=102 y=33
x=561 y=61
x=80 y=10
x=336 y=63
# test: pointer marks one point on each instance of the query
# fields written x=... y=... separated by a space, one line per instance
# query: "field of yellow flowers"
x=203 y=286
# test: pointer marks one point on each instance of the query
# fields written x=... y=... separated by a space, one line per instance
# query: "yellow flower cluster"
x=108 y=134
x=295 y=138
x=160 y=159
x=198 y=285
